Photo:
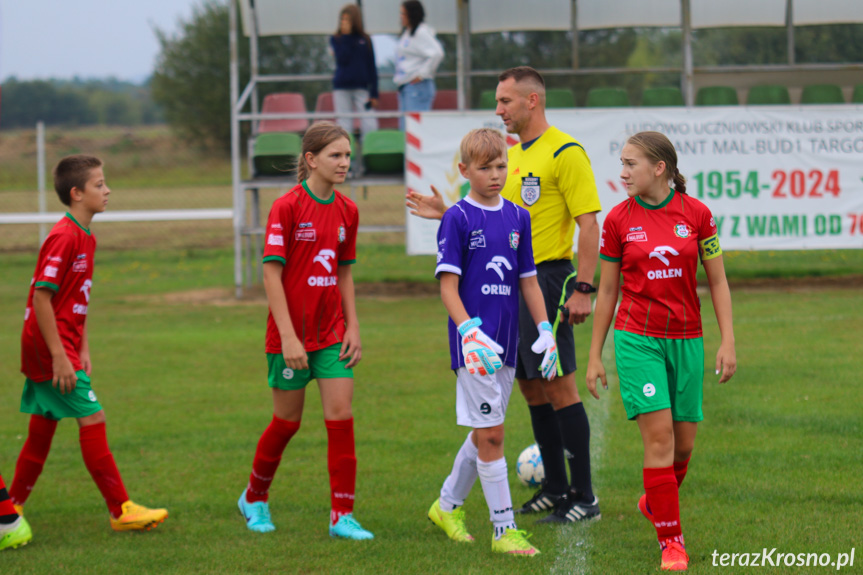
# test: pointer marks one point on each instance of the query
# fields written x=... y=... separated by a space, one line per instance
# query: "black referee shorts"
x=551 y=276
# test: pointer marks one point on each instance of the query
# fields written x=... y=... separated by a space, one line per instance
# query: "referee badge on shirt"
x=530 y=189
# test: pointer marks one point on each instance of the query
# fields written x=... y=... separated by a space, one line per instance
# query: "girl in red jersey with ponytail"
x=312 y=328
x=655 y=239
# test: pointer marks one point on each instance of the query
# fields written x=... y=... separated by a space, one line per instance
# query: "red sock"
x=342 y=465
x=268 y=456
x=100 y=463
x=680 y=468
x=7 y=511
x=660 y=485
x=32 y=457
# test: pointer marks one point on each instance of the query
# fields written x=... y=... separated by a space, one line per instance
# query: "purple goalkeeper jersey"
x=490 y=250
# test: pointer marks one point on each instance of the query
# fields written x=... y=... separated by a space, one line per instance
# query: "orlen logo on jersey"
x=80 y=308
x=324 y=258
x=85 y=287
x=495 y=266
x=659 y=252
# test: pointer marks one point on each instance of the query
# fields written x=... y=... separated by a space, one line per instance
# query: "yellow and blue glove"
x=479 y=350
x=546 y=343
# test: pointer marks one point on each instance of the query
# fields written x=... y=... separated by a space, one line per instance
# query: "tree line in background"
x=77 y=102
x=189 y=88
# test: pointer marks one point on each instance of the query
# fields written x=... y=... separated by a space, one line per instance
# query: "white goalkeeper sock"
x=495 y=487
x=457 y=486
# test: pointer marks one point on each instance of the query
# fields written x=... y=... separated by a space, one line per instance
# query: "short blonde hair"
x=482 y=146
x=527 y=80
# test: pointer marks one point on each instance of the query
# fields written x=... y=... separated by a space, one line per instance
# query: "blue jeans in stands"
x=416 y=98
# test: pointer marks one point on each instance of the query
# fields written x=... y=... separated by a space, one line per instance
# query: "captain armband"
x=709 y=248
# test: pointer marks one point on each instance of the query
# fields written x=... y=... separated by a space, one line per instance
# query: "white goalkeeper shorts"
x=481 y=400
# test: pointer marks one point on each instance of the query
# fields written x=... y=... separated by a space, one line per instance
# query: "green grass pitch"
x=182 y=379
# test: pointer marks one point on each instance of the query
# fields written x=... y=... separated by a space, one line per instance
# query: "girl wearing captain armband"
x=656 y=238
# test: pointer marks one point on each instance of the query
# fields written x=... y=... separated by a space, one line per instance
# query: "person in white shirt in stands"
x=418 y=56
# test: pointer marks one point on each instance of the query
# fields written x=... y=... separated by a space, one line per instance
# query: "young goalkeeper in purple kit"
x=484 y=258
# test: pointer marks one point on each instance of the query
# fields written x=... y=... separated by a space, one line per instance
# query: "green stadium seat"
x=822 y=94
x=384 y=152
x=559 y=98
x=276 y=153
x=767 y=94
x=857 y=96
x=662 y=96
x=716 y=96
x=487 y=100
x=607 y=98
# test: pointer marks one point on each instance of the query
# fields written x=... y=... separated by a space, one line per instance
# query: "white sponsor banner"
x=775 y=178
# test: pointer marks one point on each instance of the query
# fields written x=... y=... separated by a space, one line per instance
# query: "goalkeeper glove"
x=545 y=343
x=479 y=350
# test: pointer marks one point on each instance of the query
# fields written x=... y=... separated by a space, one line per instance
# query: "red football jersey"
x=659 y=248
x=311 y=238
x=65 y=266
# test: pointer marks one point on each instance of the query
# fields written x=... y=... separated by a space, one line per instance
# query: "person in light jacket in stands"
x=418 y=56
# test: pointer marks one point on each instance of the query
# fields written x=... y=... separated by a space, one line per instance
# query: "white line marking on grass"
x=574 y=541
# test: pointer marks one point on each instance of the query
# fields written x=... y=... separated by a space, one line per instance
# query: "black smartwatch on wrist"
x=584 y=287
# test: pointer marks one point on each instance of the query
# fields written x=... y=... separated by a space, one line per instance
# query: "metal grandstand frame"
x=247 y=226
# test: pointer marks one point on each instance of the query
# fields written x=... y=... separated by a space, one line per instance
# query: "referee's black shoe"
x=541 y=501
x=570 y=509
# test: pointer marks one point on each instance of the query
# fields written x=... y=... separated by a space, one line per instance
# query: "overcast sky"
x=87 y=38
x=42 y=39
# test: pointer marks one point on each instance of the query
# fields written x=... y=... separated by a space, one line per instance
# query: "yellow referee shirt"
x=551 y=177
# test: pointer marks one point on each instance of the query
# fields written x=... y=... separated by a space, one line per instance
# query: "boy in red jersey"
x=312 y=328
x=55 y=352
x=656 y=239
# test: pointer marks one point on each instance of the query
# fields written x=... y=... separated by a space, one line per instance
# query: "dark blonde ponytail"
x=678 y=182
x=318 y=137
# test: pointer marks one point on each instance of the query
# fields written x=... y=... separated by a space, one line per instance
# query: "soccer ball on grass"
x=529 y=466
